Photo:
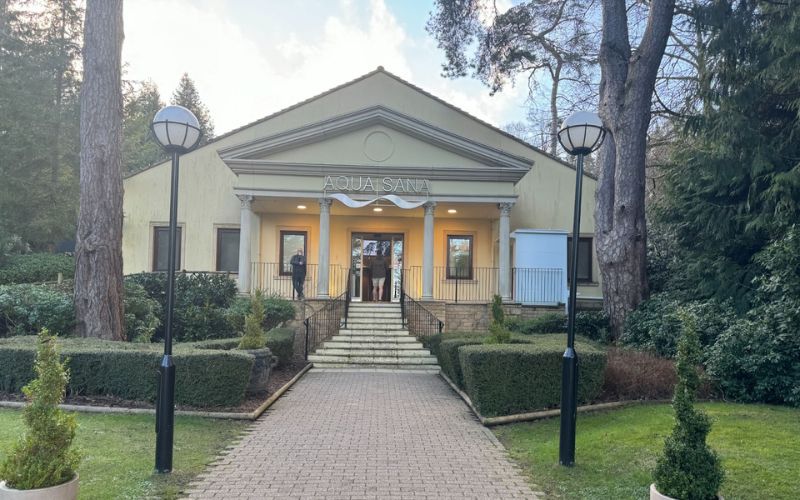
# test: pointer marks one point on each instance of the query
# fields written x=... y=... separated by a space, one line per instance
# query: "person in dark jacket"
x=378 y=269
x=298 y=263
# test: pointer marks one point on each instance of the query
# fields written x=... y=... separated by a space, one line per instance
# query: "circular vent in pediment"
x=378 y=146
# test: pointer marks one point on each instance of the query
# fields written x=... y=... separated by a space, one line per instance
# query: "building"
x=461 y=209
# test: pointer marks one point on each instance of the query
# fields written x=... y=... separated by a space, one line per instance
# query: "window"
x=584 y=259
x=459 y=257
x=228 y=250
x=291 y=242
x=161 y=248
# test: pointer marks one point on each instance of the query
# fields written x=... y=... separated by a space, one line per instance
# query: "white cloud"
x=243 y=74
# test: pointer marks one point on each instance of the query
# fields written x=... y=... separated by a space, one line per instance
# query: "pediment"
x=377 y=138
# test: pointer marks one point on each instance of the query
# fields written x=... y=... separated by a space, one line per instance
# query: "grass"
x=119 y=452
x=616 y=451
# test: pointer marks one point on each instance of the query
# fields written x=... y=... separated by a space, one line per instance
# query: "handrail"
x=325 y=323
x=419 y=320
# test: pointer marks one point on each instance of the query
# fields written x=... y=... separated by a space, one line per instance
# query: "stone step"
x=336 y=343
x=374 y=352
x=372 y=360
x=423 y=369
x=371 y=318
x=375 y=339
x=373 y=331
x=371 y=314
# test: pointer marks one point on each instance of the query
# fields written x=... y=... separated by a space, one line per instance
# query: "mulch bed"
x=277 y=379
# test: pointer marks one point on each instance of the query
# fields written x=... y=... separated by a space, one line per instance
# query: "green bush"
x=593 y=325
x=27 y=309
x=204 y=378
x=141 y=313
x=281 y=342
x=504 y=379
x=277 y=311
x=688 y=469
x=448 y=355
x=254 y=337
x=498 y=332
x=201 y=301
x=654 y=326
x=44 y=457
x=546 y=323
x=36 y=268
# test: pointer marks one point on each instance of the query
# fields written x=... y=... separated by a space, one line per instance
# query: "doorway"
x=366 y=247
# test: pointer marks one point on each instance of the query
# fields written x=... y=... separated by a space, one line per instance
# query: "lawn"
x=119 y=452
x=616 y=451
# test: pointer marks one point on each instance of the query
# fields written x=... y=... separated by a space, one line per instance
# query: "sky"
x=250 y=58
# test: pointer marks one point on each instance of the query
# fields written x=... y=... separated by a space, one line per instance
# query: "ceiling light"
x=452 y=211
x=377 y=209
x=301 y=207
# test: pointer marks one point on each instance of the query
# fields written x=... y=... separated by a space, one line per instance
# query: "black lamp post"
x=580 y=134
x=178 y=131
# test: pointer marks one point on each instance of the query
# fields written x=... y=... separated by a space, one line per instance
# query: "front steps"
x=374 y=340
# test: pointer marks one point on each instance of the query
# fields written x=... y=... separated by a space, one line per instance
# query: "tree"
x=139 y=150
x=98 y=249
x=628 y=72
x=186 y=95
x=540 y=37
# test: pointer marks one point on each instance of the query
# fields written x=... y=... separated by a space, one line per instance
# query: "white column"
x=323 y=266
x=245 y=232
x=427 y=253
x=505 y=251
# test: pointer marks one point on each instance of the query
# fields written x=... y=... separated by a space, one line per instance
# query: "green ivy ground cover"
x=617 y=450
x=118 y=452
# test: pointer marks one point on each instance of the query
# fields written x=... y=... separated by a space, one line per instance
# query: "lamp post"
x=178 y=132
x=580 y=134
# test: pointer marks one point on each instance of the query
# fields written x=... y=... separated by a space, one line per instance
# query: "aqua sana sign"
x=365 y=184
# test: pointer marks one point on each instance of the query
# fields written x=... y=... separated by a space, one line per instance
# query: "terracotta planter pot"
x=262 y=367
x=655 y=495
x=65 y=491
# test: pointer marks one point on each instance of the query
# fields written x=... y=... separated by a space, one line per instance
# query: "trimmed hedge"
x=505 y=379
x=204 y=378
x=279 y=340
x=25 y=309
x=447 y=354
x=36 y=268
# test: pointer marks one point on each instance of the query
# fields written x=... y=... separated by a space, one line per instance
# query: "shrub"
x=130 y=371
x=448 y=355
x=498 y=333
x=632 y=375
x=655 y=325
x=43 y=456
x=141 y=313
x=26 y=309
x=688 y=468
x=36 y=268
x=200 y=303
x=516 y=378
x=277 y=311
x=546 y=323
x=593 y=325
x=281 y=342
x=254 y=337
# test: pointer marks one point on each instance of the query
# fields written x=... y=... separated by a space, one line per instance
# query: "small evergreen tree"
x=688 y=469
x=139 y=150
x=43 y=456
x=254 y=337
x=499 y=334
x=186 y=95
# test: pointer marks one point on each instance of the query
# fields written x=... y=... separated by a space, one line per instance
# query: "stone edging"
x=253 y=415
x=539 y=415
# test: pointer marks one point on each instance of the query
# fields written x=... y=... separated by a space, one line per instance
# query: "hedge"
x=36 y=268
x=505 y=379
x=447 y=354
x=279 y=340
x=204 y=378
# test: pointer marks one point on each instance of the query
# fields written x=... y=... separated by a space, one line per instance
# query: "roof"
x=379 y=69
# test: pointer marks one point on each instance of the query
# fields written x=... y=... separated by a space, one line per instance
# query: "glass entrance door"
x=365 y=250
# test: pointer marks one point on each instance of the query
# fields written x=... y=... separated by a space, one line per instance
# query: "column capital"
x=246 y=200
x=430 y=207
x=505 y=208
x=325 y=204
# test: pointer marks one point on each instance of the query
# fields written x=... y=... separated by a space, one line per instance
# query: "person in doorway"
x=378 y=269
x=298 y=263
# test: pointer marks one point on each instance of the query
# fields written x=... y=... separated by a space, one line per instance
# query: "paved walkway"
x=360 y=435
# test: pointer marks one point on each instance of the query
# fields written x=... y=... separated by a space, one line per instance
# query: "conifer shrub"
x=44 y=456
x=688 y=468
x=498 y=332
x=254 y=337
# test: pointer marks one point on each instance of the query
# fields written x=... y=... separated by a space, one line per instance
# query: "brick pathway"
x=359 y=435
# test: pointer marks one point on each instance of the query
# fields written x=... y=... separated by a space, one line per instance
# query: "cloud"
x=247 y=65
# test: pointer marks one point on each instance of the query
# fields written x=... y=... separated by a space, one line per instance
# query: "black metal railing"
x=273 y=280
x=419 y=321
x=325 y=323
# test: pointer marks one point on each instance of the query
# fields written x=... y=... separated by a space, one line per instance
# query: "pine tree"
x=186 y=95
x=139 y=150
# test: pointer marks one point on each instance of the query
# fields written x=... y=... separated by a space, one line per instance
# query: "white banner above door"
x=400 y=202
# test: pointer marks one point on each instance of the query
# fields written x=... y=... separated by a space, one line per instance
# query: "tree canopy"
x=186 y=95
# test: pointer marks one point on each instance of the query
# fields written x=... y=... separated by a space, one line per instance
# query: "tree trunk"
x=554 y=110
x=98 y=247
x=626 y=90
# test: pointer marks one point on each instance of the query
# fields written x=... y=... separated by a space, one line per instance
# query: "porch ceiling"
x=289 y=206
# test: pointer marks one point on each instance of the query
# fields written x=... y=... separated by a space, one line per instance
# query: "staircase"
x=374 y=339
